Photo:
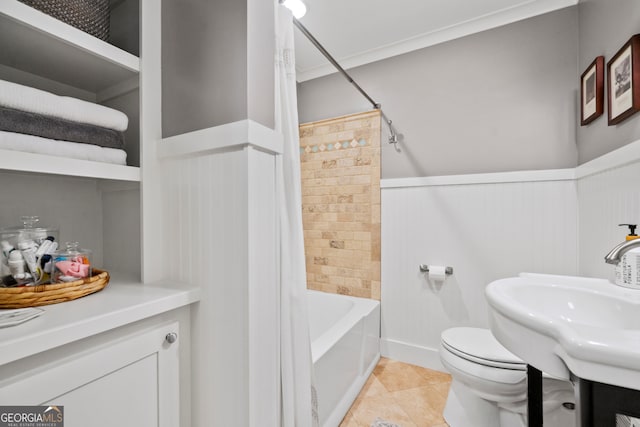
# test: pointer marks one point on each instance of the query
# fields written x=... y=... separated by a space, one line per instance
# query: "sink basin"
x=564 y=324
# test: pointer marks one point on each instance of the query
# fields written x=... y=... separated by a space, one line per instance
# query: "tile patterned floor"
x=407 y=395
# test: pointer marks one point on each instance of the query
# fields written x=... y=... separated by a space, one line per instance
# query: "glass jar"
x=72 y=263
x=29 y=230
x=25 y=249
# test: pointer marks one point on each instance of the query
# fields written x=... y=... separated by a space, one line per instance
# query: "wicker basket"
x=90 y=16
x=34 y=296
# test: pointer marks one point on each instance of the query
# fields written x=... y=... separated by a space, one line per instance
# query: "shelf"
x=34 y=42
x=122 y=302
x=38 y=163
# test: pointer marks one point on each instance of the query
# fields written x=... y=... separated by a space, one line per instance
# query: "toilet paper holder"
x=425 y=269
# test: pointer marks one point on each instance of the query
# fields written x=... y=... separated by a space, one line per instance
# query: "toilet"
x=489 y=384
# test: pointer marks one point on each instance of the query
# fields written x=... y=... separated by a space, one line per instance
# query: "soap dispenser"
x=627 y=269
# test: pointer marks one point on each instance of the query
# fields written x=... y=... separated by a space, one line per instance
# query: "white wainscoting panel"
x=206 y=216
x=484 y=231
x=220 y=216
x=606 y=199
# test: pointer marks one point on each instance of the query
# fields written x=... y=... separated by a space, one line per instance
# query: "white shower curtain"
x=299 y=402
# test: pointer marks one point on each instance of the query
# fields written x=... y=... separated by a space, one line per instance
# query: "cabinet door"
x=131 y=381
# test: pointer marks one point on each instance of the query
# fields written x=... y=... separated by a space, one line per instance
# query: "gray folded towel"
x=54 y=128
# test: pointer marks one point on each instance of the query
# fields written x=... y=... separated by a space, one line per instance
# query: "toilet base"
x=475 y=411
x=464 y=408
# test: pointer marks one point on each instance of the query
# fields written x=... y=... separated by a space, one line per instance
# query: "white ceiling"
x=357 y=32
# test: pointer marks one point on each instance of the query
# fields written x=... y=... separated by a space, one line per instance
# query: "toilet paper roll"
x=437 y=273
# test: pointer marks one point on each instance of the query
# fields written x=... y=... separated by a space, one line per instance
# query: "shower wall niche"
x=340 y=163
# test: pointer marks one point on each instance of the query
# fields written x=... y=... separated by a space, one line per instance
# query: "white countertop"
x=122 y=302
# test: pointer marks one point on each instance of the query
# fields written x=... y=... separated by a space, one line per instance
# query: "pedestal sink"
x=563 y=324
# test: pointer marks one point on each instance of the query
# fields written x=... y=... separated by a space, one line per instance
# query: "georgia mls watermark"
x=31 y=416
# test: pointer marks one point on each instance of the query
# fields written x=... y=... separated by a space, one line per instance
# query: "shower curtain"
x=299 y=401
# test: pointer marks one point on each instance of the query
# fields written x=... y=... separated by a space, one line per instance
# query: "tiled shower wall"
x=340 y=163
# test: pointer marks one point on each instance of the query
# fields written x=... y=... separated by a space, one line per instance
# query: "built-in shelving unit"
x=43 y=52
x=39 y=44
x=35 y=43
x=39 y=163
x=114 y=210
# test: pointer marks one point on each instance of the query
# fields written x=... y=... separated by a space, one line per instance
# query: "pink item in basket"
x=73 y=268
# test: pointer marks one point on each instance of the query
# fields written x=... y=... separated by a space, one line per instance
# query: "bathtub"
x=345 y=347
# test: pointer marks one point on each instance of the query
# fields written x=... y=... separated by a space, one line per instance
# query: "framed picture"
x=592 y=91
x=623 y=81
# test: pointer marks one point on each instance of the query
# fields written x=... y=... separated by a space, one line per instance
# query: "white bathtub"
x=345 y=346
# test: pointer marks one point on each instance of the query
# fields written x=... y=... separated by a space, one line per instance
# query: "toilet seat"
x=479 y=346
x=492 y=380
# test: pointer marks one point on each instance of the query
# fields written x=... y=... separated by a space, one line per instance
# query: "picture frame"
x=623 y=82
x=592 y=91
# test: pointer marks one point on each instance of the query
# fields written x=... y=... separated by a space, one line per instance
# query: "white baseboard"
x=411 y=353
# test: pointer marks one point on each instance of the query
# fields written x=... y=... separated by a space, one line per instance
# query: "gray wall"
x=604 y=27
x=206 y=54
x=499 y=100
x=261 y=72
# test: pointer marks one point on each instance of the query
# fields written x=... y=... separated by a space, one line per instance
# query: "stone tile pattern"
x=406 y=395
x=340 y=164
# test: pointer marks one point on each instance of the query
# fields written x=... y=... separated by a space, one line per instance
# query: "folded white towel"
x=73 y=150
x=25 y=98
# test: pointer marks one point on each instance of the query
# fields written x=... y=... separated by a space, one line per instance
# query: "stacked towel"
x=72 y=150
x=37 y=101
x=45 y=118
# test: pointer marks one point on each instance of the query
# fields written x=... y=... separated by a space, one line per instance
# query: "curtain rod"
x=393 y=138
x=327 y=55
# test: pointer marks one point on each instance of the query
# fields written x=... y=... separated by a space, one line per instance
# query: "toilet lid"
x=479 y=345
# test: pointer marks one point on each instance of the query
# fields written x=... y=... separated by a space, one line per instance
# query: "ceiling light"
x=297 y=7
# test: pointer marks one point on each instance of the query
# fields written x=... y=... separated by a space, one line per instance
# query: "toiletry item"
x=74 y=267
x=626 y=272
x=16 y=263
x=45 y=263
x=24 y=277
x=6 y=248
x=28 y=249
x=46 y=247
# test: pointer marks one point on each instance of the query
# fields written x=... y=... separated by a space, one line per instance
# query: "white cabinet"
x=130 y=376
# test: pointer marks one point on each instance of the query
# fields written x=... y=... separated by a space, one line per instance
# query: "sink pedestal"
x=534 y=397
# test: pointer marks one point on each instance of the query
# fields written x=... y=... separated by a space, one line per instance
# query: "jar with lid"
x=70 y=264
x=25 y=251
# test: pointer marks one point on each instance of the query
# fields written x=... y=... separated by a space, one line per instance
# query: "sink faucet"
x=615 y=256
x=616 y=253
